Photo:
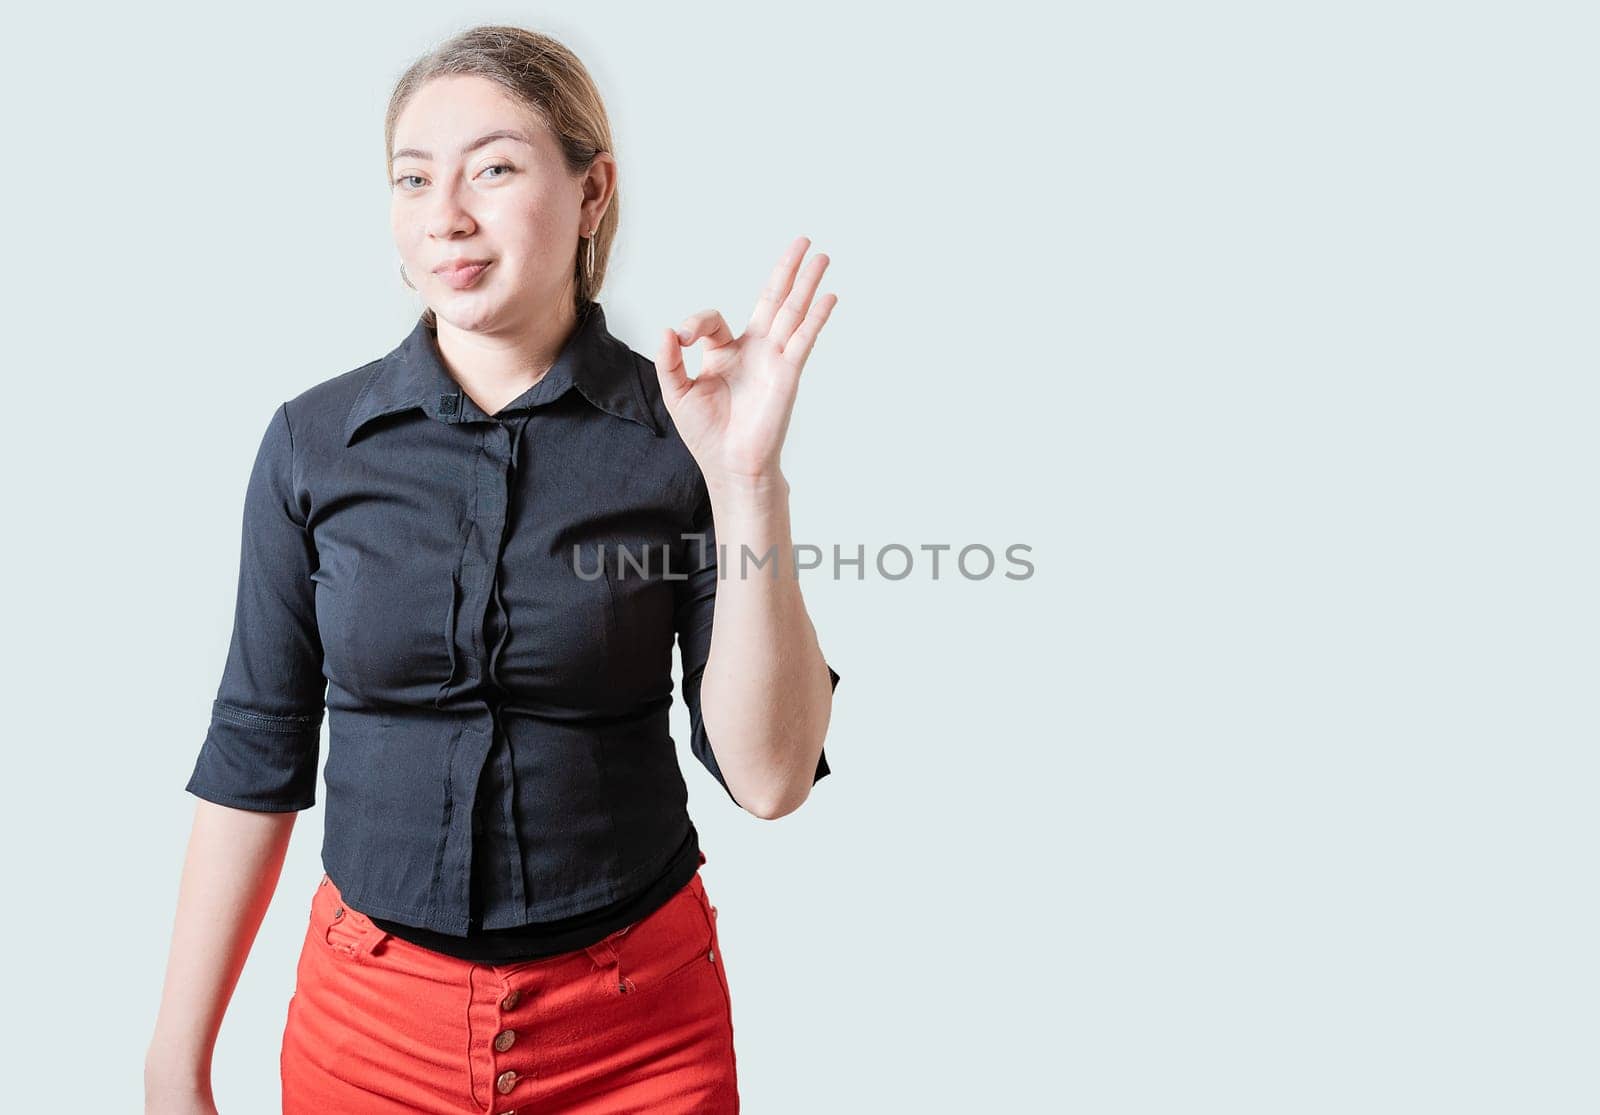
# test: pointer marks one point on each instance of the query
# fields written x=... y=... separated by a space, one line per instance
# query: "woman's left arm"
x=766 y=694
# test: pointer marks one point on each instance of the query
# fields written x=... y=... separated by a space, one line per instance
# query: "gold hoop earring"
x=591 y=255
x=406 y=278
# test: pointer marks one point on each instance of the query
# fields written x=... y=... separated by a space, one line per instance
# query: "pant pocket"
x=665 y=945
x=346 y=931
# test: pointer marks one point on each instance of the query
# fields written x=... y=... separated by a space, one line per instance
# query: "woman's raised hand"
x=734 y=414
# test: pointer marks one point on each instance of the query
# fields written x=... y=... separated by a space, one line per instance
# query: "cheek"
x=406 y=232
x=533 y=230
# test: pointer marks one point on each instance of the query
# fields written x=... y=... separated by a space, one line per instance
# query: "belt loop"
x=601 y=952
x=371 y=938
x=371 y=935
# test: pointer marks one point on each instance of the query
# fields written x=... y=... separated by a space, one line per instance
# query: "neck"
x=495 y=367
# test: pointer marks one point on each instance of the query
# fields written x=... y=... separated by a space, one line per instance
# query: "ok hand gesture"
x=734 y=414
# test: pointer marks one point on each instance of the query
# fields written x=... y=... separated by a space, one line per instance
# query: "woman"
x=474 y=553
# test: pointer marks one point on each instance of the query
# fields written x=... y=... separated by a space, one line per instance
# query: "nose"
x=448 y=216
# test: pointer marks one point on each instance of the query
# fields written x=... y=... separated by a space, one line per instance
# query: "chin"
x=469 y=310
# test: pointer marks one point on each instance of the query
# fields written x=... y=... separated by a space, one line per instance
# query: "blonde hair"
x=550 y=81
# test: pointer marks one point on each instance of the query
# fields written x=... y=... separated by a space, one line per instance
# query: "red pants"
x=641 y=1021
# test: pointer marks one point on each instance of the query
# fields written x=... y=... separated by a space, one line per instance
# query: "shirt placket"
x=484 y=743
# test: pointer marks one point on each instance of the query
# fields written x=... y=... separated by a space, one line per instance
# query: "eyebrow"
x=488 y=137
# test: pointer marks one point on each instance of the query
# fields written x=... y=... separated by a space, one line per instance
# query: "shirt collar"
x=601 y=367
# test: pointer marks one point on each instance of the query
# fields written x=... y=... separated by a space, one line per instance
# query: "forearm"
x=765 y=694
x=229 y=875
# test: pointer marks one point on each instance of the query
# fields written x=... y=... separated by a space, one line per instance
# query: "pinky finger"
x=798 y=347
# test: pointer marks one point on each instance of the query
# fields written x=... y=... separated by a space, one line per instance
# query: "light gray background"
x=1269 y=327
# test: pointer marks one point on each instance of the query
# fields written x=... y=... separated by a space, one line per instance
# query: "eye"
x=497 y=166
x=407 y=178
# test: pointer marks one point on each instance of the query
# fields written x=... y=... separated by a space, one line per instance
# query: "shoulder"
x=317 y=414
x=305 y=429
x=302 y=427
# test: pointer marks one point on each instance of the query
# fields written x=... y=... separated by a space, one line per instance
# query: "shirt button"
x=506 y=1081
x=510 y=1001
x=503 y=1041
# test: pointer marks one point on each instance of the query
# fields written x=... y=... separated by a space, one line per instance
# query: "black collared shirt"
x=429 y=574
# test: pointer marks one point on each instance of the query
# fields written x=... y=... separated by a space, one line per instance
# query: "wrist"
x=747 y=489
x=174 y=1063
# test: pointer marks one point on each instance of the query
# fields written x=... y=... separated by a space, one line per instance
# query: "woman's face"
x=509 y=200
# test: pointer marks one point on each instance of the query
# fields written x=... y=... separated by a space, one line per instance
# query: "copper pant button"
x=506 y=1081
x=510 y=1001
x=339 y=913
x=503 y=1040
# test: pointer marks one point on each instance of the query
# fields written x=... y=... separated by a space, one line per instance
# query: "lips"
x=462 y=273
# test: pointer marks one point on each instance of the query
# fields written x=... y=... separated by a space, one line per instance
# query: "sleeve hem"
x=251 y=805
x=244 y=718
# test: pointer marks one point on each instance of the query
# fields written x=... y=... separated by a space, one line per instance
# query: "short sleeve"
x=696 y=605
x=261 y=750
